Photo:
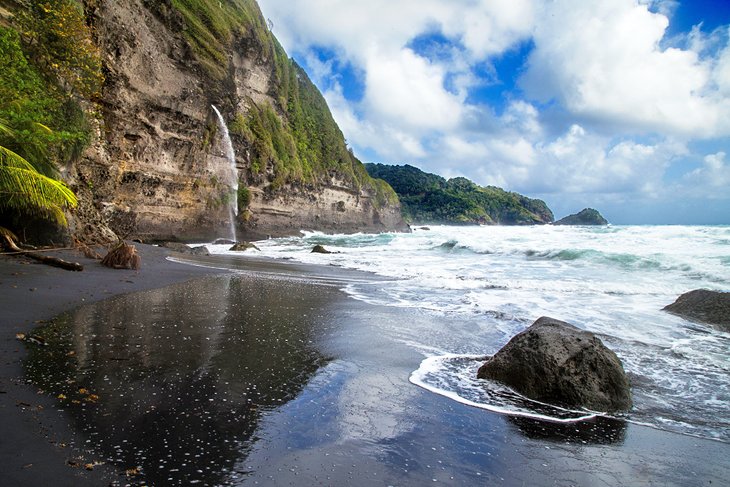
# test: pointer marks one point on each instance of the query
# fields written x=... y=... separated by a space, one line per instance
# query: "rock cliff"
x=156 y=167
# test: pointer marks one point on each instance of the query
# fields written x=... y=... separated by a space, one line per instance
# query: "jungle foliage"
x=48 y=65
x=428 y=198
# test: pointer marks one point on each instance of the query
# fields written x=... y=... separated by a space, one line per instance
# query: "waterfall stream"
x=230 y=174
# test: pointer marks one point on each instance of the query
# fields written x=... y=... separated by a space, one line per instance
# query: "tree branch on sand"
x=8 y=241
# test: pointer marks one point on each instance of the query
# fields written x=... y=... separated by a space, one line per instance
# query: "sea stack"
x=556 y=363
x=587 y=216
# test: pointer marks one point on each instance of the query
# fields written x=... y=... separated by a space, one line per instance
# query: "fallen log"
x=45 y=259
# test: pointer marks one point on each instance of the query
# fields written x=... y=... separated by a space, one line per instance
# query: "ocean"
x=479 y=286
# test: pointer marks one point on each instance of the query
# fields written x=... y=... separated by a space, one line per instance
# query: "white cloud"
x=404 y=88
x=721 y=72
x=603 y=61
x=712 y=180
x=489 y=27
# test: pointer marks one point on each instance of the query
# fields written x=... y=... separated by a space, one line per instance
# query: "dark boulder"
x=200 y=250
x=243 y=246
x=318 y=249
x=185 y=249
x=712 y=307
x=555 y=362
x=176 y=246
x=587 y=216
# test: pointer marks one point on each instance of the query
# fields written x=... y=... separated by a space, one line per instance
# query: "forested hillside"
x=428 y=198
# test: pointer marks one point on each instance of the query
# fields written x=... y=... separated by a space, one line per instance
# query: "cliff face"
x=157 y=167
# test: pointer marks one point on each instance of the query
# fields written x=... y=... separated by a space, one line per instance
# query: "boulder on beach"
x=556 y=363
x=711 y=307
x=185 y=249
x=587 y=216
x=200 y=250
x=319 y=249
x=243 y=246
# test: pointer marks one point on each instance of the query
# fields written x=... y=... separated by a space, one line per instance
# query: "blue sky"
x=621 y=105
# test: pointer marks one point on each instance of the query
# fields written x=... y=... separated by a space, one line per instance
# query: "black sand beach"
x=270 y=376
x=36 y=443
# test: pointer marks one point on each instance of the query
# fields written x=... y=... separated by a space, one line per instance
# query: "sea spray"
x=230 y=172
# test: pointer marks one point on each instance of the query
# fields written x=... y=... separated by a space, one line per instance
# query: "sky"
x=619 y=105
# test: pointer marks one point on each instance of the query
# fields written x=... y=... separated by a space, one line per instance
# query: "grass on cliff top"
x=211 y=26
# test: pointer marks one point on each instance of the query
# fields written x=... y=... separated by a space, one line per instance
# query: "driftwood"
x=88 y=252
x=122 y=256
x=45 y=259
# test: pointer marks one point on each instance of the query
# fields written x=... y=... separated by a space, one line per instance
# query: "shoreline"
x=34 y=424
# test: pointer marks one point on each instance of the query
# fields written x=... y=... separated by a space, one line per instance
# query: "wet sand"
x=36 y=442
x=272 y=376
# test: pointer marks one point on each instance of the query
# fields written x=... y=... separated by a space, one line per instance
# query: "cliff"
x=428 y=198
x=157 y=164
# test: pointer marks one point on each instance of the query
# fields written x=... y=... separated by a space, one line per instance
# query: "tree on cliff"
x=59 y=41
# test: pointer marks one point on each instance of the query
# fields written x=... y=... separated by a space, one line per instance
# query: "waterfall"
x=230 y=173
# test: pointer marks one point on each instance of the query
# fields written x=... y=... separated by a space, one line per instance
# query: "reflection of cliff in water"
x=182 y=374
x=600 y=430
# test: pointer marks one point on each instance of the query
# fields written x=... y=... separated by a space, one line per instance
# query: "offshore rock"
x=711 y=307
x=587 y=216
x=555 y=362
x=318 y=249
x=243 y=246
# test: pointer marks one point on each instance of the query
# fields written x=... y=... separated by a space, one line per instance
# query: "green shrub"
x=244 y=197
x=50 y=128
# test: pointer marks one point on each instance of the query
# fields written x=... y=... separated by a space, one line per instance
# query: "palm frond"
x=22 y=188
x=43 y=128
x=5 y=128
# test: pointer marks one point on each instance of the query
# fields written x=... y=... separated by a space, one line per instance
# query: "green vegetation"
x=428 y=198
x=57 y=38
x=24 y=190
x=212 y=25
x=244 y=198
x=48 y=64
x=49 y=125
x=294 y=139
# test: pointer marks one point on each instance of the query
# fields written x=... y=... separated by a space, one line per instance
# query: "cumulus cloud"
x=407 y=89
x=603 y=61
x=711 y=180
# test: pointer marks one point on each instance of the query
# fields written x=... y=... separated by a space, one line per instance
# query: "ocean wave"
x=454 y=376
